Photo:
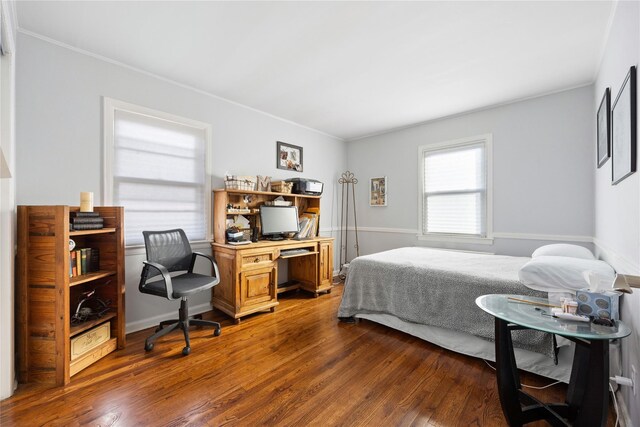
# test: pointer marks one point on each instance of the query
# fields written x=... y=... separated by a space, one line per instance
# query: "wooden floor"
x=297 y=366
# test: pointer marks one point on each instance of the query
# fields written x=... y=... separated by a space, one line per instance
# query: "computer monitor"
x=277 y=221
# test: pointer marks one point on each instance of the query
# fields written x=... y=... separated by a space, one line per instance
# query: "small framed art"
x=603 y=126
x=378 y=191
x=623 y=130
x=289 y=157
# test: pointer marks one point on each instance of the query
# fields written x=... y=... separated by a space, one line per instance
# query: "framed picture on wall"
x=604 y=126
x=289 y=157
x=623 y=130
x=378 y=191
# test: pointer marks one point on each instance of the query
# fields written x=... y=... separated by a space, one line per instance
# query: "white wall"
x=7 y=201
x=59 y=134
x=542 y=174
x=617 y=208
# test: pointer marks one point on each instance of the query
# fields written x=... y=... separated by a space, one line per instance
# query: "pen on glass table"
x=524 y=301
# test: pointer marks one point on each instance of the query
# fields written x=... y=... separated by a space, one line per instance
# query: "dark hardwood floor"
x=297 y=366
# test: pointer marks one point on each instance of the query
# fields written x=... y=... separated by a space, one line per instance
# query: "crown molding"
x=173 y=82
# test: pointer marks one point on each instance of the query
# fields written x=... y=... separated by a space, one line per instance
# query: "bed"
x=430 y=293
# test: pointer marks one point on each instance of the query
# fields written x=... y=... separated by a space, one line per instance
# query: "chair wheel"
x=148 y=346
x=217 y=332
x=186 y=351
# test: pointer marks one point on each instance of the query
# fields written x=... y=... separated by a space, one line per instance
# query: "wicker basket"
x=240 y=182
x=281 y=187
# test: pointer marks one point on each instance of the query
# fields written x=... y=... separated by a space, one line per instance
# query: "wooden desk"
x=249 y=273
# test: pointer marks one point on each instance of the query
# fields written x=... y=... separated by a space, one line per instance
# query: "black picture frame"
x=623 y=130
x=603 y=126
x=288 y=157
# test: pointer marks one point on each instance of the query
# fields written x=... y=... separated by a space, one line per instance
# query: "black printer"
x=307 y=186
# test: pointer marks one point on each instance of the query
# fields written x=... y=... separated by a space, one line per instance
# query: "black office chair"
x=169 y=251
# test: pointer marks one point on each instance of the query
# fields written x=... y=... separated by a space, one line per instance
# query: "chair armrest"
x=166 y=277
x=216 y=272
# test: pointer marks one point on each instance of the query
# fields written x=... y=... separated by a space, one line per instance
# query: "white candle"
x=86 y=201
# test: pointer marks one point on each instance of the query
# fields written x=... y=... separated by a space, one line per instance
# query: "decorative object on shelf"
x=90 y=307
x=282 y=187
x=623 y=130
x=604 y=128
x=378 y=191
x=289 y=157
x=89 y=340
x=72 y=244
x=348 y=182
x=264 y=183
x=86 y=201
x=240 y=182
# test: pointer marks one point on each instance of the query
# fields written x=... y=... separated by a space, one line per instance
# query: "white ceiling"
x=348 y=69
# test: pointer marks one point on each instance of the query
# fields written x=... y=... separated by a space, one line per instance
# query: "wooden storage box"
x=89 y=340
x=282 y=187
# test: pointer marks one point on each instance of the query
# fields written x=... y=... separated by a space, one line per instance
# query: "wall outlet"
x=634 y=379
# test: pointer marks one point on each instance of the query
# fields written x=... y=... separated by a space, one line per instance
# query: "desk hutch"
x=249 y=273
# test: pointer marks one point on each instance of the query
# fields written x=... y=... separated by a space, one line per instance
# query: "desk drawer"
x=257 y=259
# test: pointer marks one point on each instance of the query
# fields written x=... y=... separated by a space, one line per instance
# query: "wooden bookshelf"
x=47 y=297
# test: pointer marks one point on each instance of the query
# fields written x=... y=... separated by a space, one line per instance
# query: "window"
x=156 y=167
x=455 y=183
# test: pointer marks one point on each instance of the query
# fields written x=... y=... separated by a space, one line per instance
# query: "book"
x=95 y=226
x=85 y=214
x=79 y=261
x=83 y=262
x=88 y=220
x=94 y=261
x=72 y=264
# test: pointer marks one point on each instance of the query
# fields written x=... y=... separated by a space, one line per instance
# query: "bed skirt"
x=471 y=345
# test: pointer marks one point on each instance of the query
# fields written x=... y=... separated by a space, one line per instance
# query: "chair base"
x=183 y=323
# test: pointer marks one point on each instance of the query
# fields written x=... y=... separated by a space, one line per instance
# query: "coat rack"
x=348 y=181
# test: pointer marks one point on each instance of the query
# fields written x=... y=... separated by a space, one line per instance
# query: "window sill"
x=456 y=239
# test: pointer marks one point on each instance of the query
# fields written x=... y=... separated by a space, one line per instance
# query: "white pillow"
x=563 y=249
x=553 y=273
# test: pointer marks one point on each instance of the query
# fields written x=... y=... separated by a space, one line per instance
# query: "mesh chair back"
x=170 y=248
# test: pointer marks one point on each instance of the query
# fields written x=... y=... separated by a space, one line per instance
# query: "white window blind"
x=159 y=175
x=455 y=190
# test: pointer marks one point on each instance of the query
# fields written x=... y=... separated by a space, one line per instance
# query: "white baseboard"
x=149 y=322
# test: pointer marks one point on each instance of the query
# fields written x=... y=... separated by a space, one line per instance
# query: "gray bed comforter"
x=438 y=288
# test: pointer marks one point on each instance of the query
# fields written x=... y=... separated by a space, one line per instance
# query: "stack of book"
x=86 y=221
x=308 y=225
x=83 y=261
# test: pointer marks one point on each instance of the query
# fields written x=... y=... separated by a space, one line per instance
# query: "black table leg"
x=507 y=374
x=588 y=393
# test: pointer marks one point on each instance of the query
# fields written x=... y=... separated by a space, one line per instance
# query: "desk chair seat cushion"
x=183 y=285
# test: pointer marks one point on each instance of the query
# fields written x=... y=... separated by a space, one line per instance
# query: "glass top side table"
x=587 y=400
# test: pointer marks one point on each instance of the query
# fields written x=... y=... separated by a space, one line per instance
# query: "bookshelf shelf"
x=89 y=232
x=46 y=297
x=84 y=278
x=85 y=326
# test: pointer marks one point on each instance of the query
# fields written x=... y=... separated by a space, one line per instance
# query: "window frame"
x=110 y=106
x=487 y=139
